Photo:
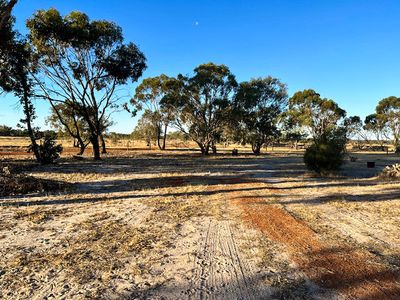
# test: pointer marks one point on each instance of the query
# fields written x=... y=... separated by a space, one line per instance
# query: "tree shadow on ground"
x=209 y=171
x=353 y=273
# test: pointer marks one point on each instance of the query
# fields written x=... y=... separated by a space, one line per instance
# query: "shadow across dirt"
x=260 y=165
x=331 y=268
x=21 y=200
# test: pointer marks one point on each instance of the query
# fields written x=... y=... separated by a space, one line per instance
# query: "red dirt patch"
x=352 y=272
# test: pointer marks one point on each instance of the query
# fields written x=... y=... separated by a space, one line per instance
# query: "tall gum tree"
x=5 y=12
x=388 y=114
x=318 y=115
x=375 y=129
x=81 y=63
x=16 y=67
x=257 y=107
x=149 y=96
x=68 y=123
x=202 y=103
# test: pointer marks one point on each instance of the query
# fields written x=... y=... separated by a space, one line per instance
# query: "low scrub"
x=326 y=153
x=13 y=184
x=391 y=172
x=48 y=150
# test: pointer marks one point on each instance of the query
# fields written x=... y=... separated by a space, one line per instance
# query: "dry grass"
x=12 y=183
x=38 y=216
x=98 y=248
x=127 y=214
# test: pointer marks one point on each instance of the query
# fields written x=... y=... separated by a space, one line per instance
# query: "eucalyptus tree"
x=355 y=130
x=146 y=129
x=257 y=107
x=292 y=131
x=5 y=12
x=202 y=103
x=354 y=127
x=318 y=115
x=16 y=67
x=388 y=114
x=323 y=119
x=149 y=96
x=69 y=123
x=81 y=63
x=376 y=127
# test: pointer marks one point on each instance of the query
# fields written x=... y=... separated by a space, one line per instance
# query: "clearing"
x=180 y=226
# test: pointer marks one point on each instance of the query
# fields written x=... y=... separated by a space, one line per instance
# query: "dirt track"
x=353 y=272
x=194 y=228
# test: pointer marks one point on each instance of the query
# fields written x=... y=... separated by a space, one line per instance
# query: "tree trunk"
x=94 y=140
x=82 y=146
x=103 y=145
x=204 y=148
x=207 y=150
x=213 y=148
x=28 y=111
x=397 y=149
x=165 y=136
x=256 y=147
x=5 y=15
x=159 y=136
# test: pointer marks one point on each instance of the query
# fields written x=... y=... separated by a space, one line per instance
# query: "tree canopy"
x=82 y=62
x=202 y=103
x=388 y=115
x=318 y=115
x=257 y=106
x=150 y=95
x=5 y=12
x=16 y=69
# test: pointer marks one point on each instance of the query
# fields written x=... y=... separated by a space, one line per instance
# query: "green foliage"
x=115 y=137
x=375 y=126
x=145 y=129
x=326 y=153
x=49 y=151
x=150 y=95
x=257 y=106
x=81 y=63
x=388 y=116
x=354 y=126
x=5 y=12
x=318 y=115
x=16 y=69
x=178 y=135
x=9 y=131
x=202 y=103
x=16 y=62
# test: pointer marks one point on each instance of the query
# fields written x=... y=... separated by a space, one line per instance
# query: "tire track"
x=221 y=271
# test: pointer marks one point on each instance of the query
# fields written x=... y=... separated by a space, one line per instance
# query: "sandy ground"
x=186 y=227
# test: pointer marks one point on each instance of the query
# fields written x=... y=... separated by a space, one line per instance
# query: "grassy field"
x=175 y=225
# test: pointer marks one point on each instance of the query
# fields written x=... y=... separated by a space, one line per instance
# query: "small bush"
x=49 y=152
x=326 y=154
x=391 y=172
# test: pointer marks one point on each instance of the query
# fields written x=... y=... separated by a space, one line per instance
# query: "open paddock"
x=169 y=225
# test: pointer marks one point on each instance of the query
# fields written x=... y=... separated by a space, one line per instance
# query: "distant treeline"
x=9 y=131
x=21 y=132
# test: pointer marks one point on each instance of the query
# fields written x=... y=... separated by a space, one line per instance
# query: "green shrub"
x=326 y=154
x=49 y=152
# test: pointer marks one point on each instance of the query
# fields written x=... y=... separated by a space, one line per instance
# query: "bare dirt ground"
x=185 y=227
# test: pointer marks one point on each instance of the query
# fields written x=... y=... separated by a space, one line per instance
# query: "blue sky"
x=348 y=51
